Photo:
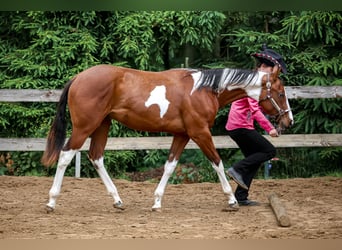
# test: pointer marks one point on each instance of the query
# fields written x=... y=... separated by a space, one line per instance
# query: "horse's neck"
x=240 y=78
x=226 y=97
x=236 y=84
x=228 y=79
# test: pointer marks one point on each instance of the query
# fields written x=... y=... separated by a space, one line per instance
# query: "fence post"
x=78 y=165
x=267 y=167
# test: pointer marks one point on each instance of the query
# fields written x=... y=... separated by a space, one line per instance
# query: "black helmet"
x=270 y=57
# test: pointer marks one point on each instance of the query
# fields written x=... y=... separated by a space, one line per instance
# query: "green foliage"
x=309 y=26
x=23 y=164
x=185 y=174
x=153 y=158
x=318 y=61
x=6 y=163
x=203 y=172
x=306 y=162
x=30 y=120
x=150 y=40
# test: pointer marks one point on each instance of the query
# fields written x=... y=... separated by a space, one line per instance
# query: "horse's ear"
x=276 y=71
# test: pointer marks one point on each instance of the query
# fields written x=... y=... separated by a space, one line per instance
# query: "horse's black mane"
x=218 y=79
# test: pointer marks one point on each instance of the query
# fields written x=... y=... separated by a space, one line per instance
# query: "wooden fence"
x=164 y=142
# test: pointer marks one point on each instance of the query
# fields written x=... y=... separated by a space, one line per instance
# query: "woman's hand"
x=273 y=133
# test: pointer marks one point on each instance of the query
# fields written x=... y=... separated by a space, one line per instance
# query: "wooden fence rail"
x=164 y=142
x=36 y=95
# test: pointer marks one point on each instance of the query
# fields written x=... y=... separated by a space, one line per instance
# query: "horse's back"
x=125 y=92
x=105 y=73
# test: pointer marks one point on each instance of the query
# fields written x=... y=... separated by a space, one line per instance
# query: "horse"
x=182 y=102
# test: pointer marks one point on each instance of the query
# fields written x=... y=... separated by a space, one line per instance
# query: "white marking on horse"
x=254 y=89
x=169 y=168
x=289 y=108
x=230 y=80
x=65 y=158
x=227 y=189
x=158 y=96
x=111 y=188
x=196 y=78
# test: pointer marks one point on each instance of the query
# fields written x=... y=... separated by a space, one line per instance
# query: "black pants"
x=256 y=150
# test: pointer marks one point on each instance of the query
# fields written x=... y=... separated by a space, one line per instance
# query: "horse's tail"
x=57 y=134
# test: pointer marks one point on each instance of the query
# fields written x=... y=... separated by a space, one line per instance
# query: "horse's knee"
x=169 y=167
x=218 y=167
x=65 y=158
x=98 y=164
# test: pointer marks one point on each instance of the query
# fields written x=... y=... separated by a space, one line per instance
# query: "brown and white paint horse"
x=183 y=102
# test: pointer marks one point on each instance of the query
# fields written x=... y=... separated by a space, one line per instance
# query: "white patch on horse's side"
x=158 y=96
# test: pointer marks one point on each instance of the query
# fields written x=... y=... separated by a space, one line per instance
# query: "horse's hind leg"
x=65 y=158
x=96 y=150
x=178 y=144
x=73 y=145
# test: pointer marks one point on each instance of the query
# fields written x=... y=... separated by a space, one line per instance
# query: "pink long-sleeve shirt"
x=244 y=112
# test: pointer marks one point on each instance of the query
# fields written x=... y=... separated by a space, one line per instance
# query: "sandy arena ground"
x=190 y=211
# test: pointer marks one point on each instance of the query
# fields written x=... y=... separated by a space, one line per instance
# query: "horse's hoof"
x=119 y=205
x=156 y=209
x=231 y=207
x=49 y=209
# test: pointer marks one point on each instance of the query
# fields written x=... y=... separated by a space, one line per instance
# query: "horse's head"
x=274 y=101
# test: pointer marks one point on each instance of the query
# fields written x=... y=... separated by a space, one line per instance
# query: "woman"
x=240 y=126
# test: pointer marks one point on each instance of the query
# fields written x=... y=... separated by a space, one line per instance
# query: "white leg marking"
x=227 y=189
x=101 y=170
x=169 y=167
x=158 y=96
x=65 y=158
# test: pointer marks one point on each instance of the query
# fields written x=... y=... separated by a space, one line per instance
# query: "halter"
x=281 y=111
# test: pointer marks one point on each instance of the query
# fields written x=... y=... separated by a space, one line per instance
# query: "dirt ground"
x=190 y=211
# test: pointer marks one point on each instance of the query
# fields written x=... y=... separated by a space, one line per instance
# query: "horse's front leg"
x=111 y=188
x=206 y=144
x=178 y=144
x=227 y=189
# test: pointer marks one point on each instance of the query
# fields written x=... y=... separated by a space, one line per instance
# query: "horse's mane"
x=219 y=79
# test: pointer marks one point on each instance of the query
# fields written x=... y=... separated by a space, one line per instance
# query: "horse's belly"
x=149 y=121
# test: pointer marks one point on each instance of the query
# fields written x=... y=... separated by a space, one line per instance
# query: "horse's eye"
x=281 y=94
